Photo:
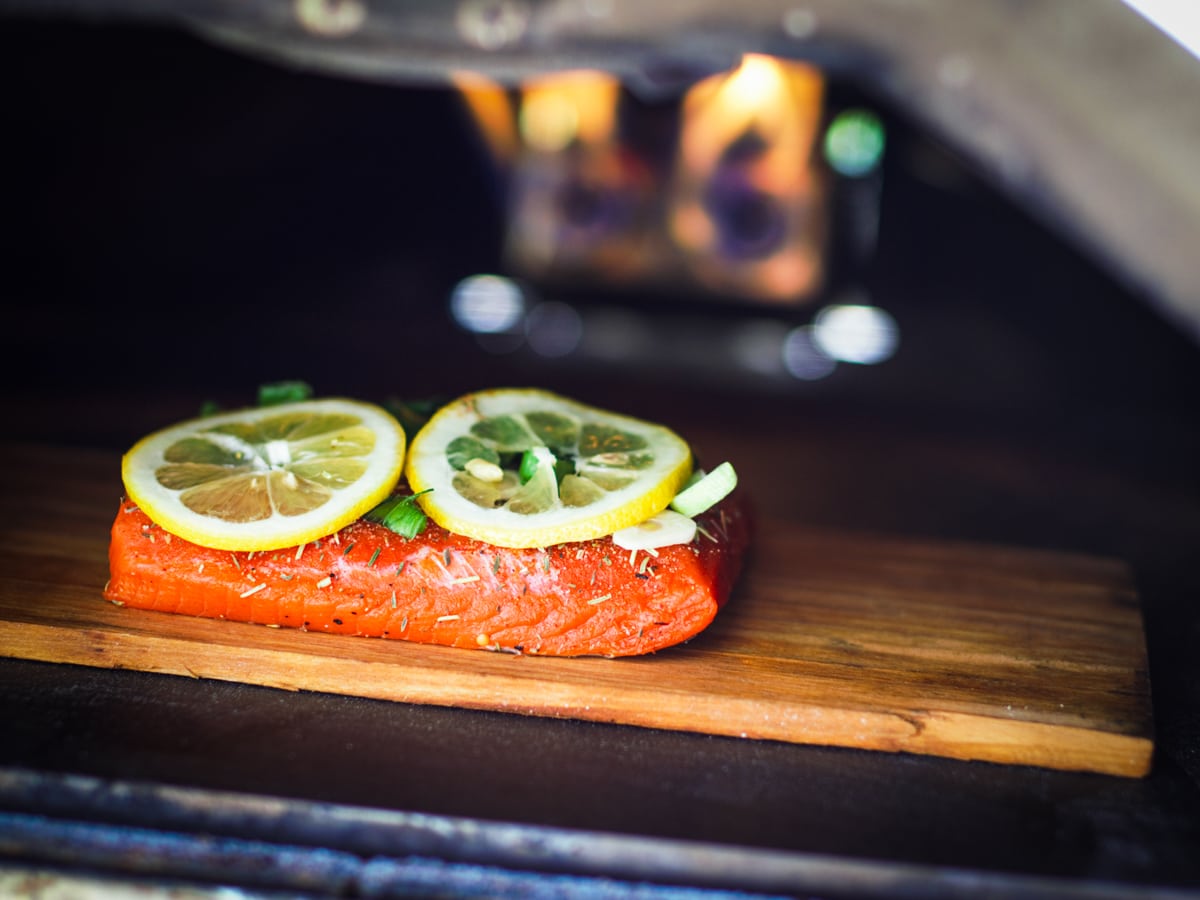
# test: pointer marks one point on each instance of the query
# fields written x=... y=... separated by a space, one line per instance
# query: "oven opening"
x=771 y=231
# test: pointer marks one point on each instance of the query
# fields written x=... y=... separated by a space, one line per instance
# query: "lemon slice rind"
x=383 y=464
x=651 y=490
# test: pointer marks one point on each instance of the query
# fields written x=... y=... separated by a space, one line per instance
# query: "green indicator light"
x=854 y=142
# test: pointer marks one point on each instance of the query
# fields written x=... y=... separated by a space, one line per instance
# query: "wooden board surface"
x=958 y=650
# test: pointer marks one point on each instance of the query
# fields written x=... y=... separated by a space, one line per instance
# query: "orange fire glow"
x=492 y=110
x=741 y=210
x=747 y=205
x=571 y=108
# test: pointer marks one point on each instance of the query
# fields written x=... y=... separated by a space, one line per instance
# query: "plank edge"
x=930 y=733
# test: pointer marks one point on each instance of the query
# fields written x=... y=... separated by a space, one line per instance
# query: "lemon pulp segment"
x=269 y=477
x=529 y=468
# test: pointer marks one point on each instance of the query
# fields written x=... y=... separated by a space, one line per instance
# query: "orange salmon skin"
x=581 y=599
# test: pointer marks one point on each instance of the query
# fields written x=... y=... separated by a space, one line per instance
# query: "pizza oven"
x=929 y=267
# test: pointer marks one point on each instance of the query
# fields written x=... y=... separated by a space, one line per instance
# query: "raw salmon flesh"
x=582 y=599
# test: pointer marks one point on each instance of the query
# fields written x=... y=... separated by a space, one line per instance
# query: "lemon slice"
x=528 y=468
x=269 y=477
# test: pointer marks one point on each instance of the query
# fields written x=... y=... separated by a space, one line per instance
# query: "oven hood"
x=1084 y=115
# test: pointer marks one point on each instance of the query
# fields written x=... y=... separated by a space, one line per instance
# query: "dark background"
x=179 y=215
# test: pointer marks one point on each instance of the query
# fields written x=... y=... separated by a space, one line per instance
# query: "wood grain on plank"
x=959 y=650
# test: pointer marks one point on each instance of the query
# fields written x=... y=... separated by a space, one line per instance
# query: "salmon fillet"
x=589 y=598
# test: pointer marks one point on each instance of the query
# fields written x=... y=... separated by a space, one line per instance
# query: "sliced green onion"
x=283 y=392
x=663 y=530
x=705 y=493
x=400 y=514
x=210 y=408
x=538 y=456
x=530 y=460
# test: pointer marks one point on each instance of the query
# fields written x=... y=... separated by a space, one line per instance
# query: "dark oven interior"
x=174 y=202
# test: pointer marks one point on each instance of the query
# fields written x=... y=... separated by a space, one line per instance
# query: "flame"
x=492 y=109
x=739 y=210
x=549 y=114
x=570 y=108
x=747 y=205
x=778 y=101
x=576 y=194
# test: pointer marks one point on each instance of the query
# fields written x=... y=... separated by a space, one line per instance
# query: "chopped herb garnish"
x=400 y=514
x=374 y=556
x=279 y=392
x=465 y=448
x=529 y=465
